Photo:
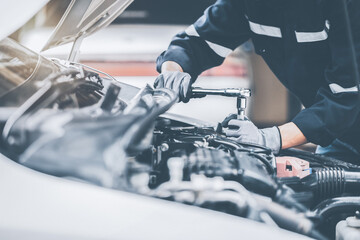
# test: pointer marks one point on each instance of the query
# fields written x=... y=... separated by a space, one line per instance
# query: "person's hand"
x=245 y=131
x=225 y=122
x=178 y=81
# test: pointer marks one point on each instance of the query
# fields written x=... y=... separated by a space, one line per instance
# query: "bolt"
x=153 y=179
x=164 y=147
x=357 y=214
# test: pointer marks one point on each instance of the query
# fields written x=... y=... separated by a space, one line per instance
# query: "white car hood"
x=81 y=18
x=15 y=13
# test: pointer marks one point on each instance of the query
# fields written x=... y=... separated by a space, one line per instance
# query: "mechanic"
x=305 y=43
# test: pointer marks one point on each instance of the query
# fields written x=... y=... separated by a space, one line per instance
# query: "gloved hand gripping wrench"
x=240 y=93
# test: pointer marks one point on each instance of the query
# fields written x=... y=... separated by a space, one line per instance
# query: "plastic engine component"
x=292 y=167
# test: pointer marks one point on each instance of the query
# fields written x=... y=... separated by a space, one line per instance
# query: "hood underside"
x=17 y=13
x=83 y=18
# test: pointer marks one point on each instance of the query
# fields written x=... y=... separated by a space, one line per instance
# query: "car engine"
x=80 y=126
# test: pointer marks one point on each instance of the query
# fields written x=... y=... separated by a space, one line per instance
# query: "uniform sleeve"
x=336 y=106
x=207 y=42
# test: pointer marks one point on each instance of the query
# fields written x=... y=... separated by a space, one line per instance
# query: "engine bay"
x=80 y=126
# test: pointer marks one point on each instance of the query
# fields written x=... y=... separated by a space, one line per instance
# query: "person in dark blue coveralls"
x=306 y=45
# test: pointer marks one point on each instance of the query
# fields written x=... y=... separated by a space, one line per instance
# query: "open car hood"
x=83 y=18
x=23 y=10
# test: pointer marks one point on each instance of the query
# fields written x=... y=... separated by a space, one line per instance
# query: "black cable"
x=268 y=165
x=321 y=160
x=243 y=145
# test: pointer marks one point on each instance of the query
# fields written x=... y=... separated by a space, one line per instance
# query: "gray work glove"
x=245 y=131
x=180 y=82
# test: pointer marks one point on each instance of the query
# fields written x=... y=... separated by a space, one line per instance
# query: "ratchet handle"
x=226 y=92
x=198 y=92
x=197 y=95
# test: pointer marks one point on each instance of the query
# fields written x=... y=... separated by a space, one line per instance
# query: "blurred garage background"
x=128 y=48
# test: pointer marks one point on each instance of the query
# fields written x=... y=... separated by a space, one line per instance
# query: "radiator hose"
x=332 y=182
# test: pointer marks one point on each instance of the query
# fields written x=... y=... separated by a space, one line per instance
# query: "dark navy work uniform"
x=305 y=44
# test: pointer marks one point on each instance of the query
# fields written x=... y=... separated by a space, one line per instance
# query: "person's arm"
x=291 y=136
x=207 y=42
x=203 y=45
x=336 y=106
